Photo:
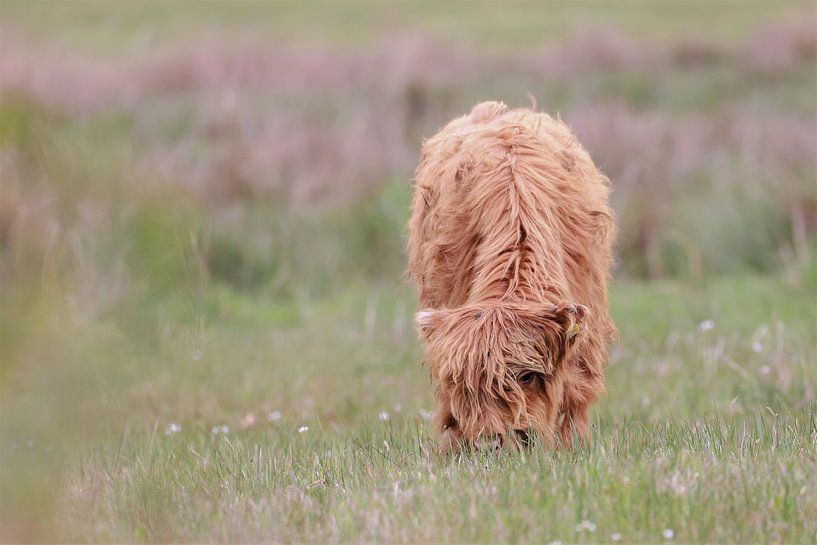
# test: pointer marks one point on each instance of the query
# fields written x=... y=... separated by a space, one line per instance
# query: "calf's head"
x=498 y=369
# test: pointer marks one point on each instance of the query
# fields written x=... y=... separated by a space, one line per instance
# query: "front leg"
x=575 y=418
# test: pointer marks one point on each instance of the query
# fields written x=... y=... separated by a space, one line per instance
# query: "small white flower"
x=172 y=428
x=616 y=537
x=555 y=543
x=383 y=416
x=757 y=347
x=424 y=414
x=303 y=429
x=274 y=416
x=220 y=429
x=225 y=429
x=765 y=370
x=397 y=407
x=586 y=525
x=706 y=325
x=196 y=354
x=669 y=534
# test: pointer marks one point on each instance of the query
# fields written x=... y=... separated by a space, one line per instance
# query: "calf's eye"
x=527 y=378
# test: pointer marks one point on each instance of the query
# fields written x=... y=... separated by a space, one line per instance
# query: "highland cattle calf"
x=510 y=245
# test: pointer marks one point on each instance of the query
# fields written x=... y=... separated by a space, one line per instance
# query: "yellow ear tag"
x=575 y=330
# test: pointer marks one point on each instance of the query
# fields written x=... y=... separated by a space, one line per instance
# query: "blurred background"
x=202 y=205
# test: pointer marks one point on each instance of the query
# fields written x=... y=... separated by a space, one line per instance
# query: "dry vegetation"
x=694 y=133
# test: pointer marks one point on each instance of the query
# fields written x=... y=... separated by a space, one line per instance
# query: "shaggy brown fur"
x=510 y=244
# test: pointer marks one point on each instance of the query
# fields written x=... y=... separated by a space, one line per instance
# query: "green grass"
x=136 y=26
x=712 y=434
x=711 y=480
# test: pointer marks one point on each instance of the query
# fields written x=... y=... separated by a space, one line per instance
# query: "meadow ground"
x=305 y=422
x=205 y=333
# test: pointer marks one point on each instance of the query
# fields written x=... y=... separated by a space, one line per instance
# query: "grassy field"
x=206 y=334
x=134 y=27
x=305 y=422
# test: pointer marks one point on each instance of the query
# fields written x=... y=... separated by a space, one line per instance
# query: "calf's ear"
x=559 y=326
x=428 y=321
x=571 y=318
x=563 y=324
